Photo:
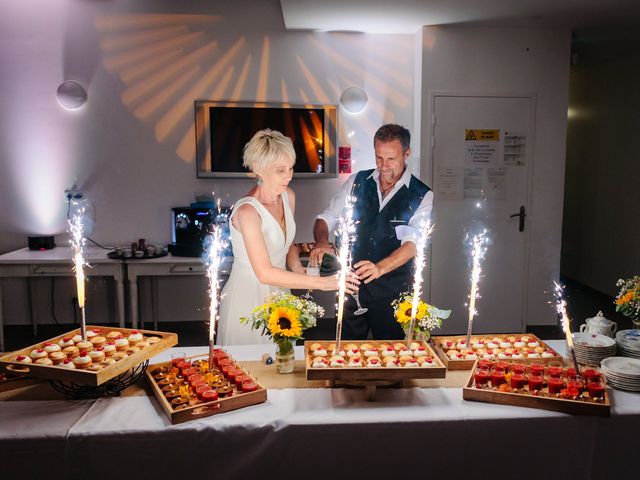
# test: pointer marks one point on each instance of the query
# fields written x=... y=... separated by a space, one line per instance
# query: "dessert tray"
x=559 y=391
x=455 y=355
x=371 y=360
x=107 y=353
x=187 y=389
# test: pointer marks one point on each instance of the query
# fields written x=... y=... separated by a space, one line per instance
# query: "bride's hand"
x=333 y=283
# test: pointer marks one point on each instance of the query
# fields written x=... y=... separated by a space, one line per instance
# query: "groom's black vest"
x=375 y=230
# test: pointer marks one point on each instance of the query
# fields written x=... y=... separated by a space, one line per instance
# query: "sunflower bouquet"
x=428 y=317
x=283 y=317
x=628 y=299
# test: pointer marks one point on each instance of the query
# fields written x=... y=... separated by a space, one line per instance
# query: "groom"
x=389 y=205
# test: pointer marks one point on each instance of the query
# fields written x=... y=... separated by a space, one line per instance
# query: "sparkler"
x=76 y=229
x=426 y=228
x=346 y=231
x=215 y=245
x=561 y=308
x=478 y=249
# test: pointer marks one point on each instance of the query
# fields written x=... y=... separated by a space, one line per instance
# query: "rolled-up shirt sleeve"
x=411 y=232
x=337 y=203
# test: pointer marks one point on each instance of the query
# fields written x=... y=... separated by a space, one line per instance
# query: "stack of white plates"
x=622 y=373
x=592 y=348
x=628 y=343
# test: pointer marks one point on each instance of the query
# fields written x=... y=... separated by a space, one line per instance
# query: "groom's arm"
x=321 y=237
x=327 y=220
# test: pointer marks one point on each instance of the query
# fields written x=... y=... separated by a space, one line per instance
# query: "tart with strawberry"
x=51 y=347
x=336 y=362
x=83 y=360
x=374 y=362
x=66 y=342
x=320 y=362
x=38 y=353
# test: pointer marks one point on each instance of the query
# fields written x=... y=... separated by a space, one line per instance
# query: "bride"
x=262 y=232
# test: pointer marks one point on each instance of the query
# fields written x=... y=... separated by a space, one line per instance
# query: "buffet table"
x=315 y=433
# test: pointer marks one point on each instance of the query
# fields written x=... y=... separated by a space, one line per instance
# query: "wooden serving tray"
x=564 y=405
x=85 y=377
x=453 y=364
x=438 y=370
x=13 y=381
x=202 y=410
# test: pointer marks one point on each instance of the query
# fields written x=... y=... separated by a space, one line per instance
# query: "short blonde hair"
x=265 y=147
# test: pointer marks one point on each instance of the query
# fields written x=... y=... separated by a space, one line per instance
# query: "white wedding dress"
x=243 y=291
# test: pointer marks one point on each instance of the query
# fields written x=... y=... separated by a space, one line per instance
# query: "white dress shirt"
x=404 y=233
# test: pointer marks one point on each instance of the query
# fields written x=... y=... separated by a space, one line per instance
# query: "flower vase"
x=285 y=358
x=635 y=323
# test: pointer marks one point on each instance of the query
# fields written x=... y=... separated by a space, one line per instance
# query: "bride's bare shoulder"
x=245 y=214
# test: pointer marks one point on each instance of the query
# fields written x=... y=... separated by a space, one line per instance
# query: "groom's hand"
x=367 y=270
x=315 y=256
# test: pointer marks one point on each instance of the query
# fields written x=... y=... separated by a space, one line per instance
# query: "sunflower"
x=285 y=321
x=403 y=312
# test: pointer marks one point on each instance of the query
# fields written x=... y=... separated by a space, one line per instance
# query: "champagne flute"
x=356 y=296
x=312 y=271
x=361 y=310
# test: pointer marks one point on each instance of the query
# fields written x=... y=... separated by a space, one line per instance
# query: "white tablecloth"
x=316 y=433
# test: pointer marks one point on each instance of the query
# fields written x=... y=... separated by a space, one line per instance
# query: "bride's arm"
x=293 y=255
x=247 y=221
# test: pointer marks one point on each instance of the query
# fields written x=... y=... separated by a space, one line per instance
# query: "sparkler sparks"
x=346 y=232
x=76 y=230
x=426 y=229
x=561 y=308
x=214 y=248
x=478 y=250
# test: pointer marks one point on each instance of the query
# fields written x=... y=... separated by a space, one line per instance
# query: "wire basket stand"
x=111 y=388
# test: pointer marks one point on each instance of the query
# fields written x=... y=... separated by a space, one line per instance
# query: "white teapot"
x=599 y=324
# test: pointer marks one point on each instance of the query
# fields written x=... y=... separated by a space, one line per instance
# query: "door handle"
x=521 y=214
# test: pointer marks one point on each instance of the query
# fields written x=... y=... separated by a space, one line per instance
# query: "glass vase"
x=285 y=358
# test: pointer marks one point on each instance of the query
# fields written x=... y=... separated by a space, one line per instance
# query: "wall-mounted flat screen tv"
x=224 y=128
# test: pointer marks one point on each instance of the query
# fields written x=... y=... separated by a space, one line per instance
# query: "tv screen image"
x=223 y=129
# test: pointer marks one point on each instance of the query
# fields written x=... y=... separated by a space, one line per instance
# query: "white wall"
x=512 y=60
x=131 y=146
x=602 y=217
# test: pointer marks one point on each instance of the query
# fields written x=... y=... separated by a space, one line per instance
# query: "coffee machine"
x=191 y=225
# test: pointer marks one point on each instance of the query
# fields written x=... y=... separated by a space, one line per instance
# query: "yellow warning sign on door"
x=482 y=135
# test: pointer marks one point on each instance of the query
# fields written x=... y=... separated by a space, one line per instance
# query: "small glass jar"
x=595 y=387
x=536 y=381
x=517 y=380
x=482 y=375
x=555 y=385
x=555 y=369
x=498 y=378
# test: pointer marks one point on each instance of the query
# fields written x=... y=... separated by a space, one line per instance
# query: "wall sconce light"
x=354 y=99
x=71 y=95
